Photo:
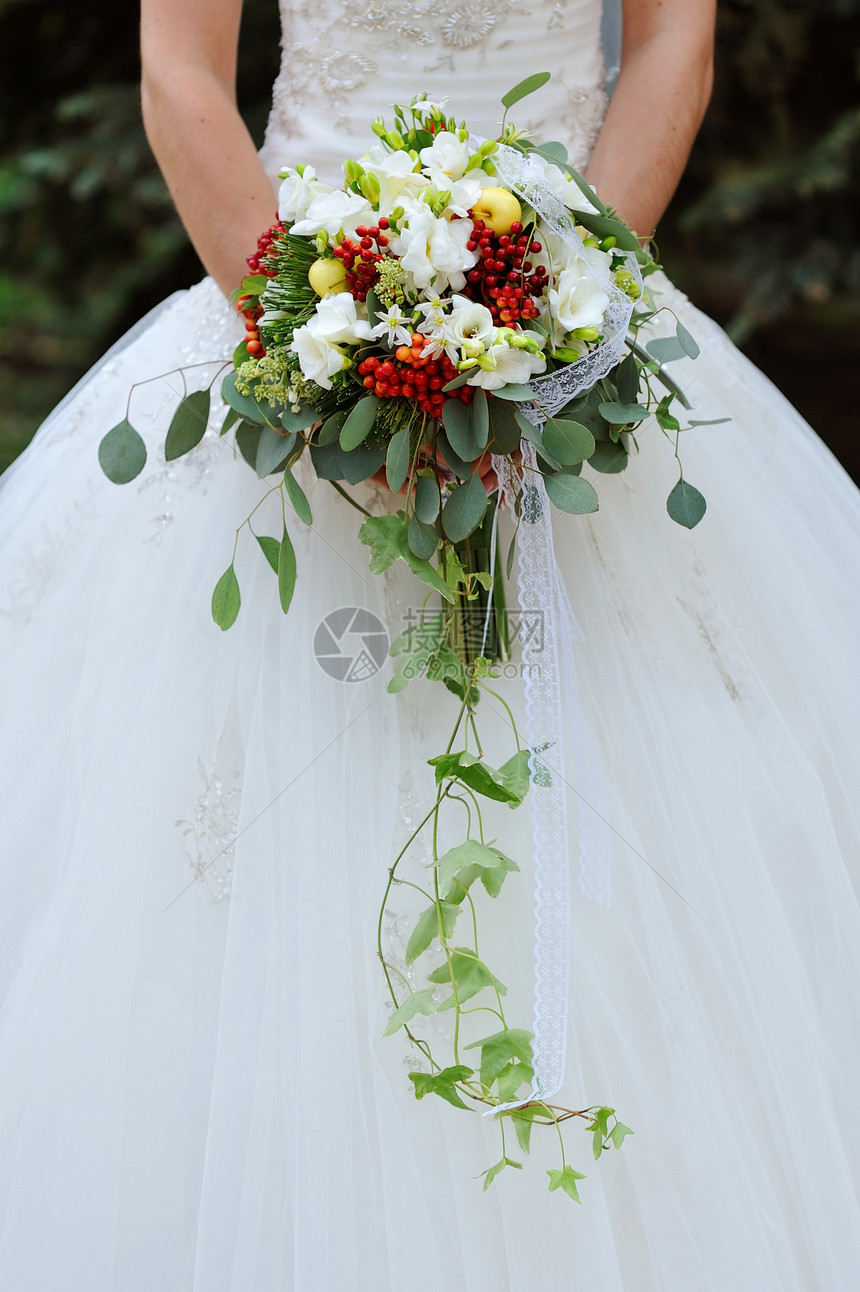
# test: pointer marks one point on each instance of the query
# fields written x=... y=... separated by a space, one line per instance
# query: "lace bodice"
x=346 y=61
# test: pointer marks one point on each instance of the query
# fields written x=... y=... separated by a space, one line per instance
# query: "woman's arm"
x=658 y=105
x=222 y=194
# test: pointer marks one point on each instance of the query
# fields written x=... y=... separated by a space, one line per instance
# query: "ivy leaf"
x=566 y=1179
x=271 y=549
x=245 y=405
x=524 y=88
x=417 y=1002
x=515 y=774
x=397 y=460
x=687 y=340
x=571 y=493
x=524 y=1119
x=122 y=453
x=416 y=646
x=297 y=497
x=226 y=599
x=511 y=1079
x=427 y=928
x=619 y=1133
x=286 y=572
x=474 y=772
x=468 y=973
x=357 y=426
x=387 y=538
x=498 y=1050
x=441 y=1083
x=492 y=1171
x=470 y=853
x=568 y=442
x=273 y=449
x=686 y=505
x=464 y=508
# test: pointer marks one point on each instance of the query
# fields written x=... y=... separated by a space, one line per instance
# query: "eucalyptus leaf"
x=568 y=442
x=297 y=497
x=427 y=498
x=248 y=436
x=122 y=453
x=226 y=599
x=605 y=226
x=273 y=449
x=623 y=414
x=463 y=431
x=686 y=505
x=357 y=426
x=666 y=349
x=452 y=459
x=524 y=88
x=397 y=460
x=330 y=430
x=571 y=494
x=286 y=572
x=687 y=340
x=270 y=548
x=300 y=421
x=331 y=462
x=422 y=538
x=245 y=405
x=464 y=509
x=504 y=427
x=627 y=380
x=230 y=419
x=519 y=394
x=609 y=458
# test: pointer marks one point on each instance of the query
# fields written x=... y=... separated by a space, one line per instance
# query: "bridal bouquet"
x=459 y=322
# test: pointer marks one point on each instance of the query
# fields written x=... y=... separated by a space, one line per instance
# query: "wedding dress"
x=194 y=1090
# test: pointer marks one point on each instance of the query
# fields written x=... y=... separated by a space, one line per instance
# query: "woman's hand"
x=207 y=157
x=658 y=105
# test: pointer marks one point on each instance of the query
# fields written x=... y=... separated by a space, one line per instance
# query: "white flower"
x=579 y=300
x=470 y=328
x=395 y=323
x=398 y=179
x=446 y=159
x=297 y=193
x=507 y=365
x=433 y=250
x=567 y=189
x=317 y=344
x=335 y=211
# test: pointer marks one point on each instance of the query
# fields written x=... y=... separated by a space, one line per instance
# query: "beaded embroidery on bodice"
x=347 y=61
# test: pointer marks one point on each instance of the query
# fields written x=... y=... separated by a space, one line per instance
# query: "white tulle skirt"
x=194 y=1092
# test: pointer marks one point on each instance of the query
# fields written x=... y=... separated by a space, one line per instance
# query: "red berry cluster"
x=361 y=258
x=507 y=283
x=412 y=375
x=259 y=263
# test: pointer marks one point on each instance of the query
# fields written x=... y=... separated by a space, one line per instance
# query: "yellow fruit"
x=327 y=275
x=498 y=208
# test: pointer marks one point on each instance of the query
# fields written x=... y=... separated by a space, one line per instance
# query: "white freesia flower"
x=334 y=211
x=396 y=324
x=297 y=193
x=569 y=191
x=335 y=323
x=579 y=300
x=470 y=328
x=506 y=365
x=446 y=159
x=399 y=182
x=433 y=250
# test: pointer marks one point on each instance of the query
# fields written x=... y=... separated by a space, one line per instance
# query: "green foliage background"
x=764 y=233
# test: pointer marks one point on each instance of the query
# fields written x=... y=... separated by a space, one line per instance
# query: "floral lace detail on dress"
x=211 y=835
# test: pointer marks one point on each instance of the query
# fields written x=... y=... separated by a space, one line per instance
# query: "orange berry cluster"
x=251 y=313
x=360 y=258
x=412 y=375
x=259 y=263
x=504 y=278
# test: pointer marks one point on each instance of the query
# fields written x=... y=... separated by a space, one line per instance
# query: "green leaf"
x=441 y=1083
x=504 y=427
x=230 y=419
x=524 y=88
x=475 y=773
x=386 y=536
x=714 y=421
x=515 y=775
x=467 y=854
x=298 y=497
x=498 y=1050
x=509 y=563
x=604 y=226
x=511 y=1080
x=608 y=457
x=492 y=1171
x=687 y=340
x=467 y=435
x=619 y=1133
x=397 y=460
x=422 y=539
x=480 y=412
x=417 y=1002
x=416 y=647
x=554 y=150
x=627 y=380
x=572 y=494
x=568 y=442
x=566 y=1180
x=427 y=928
x=248 y=436
x=524 y=1119
x=623 y=414
x=666 y=349
x=286 y=572
x=300 y=421
x=273 y=449
x=464 y=509
x=357 y=426
x=469 y=974
x=226 y=599
x=585 y=189
x=666 y=419
x=520 y=394
x=427 y=499
x=686 y=505
x=244 y=405
x=456 y=382
x=330 y=430
x=271 y=549
x=122 y=453
x=332 y=463
x=446 y=452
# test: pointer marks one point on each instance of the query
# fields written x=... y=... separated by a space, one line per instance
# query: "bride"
x=194 y=1092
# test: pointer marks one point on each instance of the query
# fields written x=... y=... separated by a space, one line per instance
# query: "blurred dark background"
x=764 y=233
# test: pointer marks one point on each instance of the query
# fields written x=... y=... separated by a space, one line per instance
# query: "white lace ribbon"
x=553 y=713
